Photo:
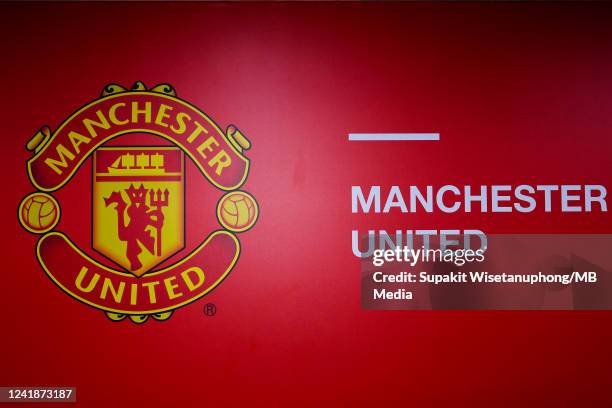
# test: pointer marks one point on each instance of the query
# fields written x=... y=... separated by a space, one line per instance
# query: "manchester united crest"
x=138 y=143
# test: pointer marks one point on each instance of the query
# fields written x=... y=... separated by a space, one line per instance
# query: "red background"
x=521 y=93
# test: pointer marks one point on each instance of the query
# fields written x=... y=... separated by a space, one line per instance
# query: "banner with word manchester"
x=300 y=203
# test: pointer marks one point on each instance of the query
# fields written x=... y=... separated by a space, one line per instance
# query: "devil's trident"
x=156 y=204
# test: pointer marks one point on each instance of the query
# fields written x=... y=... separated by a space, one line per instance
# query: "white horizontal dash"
x=380 y=137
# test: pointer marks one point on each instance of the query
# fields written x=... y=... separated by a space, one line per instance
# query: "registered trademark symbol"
x=210 y=309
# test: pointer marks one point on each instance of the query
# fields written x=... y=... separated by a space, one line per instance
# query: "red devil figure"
x=140 y=216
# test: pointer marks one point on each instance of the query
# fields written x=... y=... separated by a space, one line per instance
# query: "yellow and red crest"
x=138 y=205
x=138 y=199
